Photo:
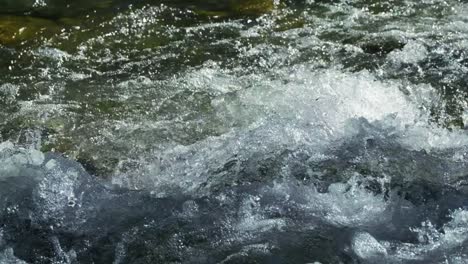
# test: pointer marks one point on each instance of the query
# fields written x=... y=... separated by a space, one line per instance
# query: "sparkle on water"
x=250 y=132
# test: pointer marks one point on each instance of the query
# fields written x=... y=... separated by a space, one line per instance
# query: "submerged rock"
x=382 y=46
x=64 y=8
x=15 y=30
x=252 y=7
x=54 y=8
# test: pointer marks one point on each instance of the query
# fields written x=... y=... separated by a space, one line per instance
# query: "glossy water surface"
x=233 y=131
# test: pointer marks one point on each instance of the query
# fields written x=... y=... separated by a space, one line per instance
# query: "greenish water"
x=233 y=131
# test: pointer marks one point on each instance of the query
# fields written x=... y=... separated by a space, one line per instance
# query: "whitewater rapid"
x=320 y=132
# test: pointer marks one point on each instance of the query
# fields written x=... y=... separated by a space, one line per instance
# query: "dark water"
x=233 y=131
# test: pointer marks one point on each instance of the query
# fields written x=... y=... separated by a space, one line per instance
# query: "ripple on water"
x=327 y=132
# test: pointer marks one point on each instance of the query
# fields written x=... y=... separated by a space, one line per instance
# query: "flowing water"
x=233 y=132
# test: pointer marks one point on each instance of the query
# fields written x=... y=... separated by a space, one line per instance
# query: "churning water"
x=308 y=132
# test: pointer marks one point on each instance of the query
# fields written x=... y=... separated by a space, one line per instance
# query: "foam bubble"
x=301 y=108
x=367 y=247
x=7 y=256
x=16 y=161
x=413 y=52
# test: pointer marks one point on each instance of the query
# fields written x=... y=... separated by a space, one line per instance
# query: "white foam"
x=8 y=92
x=344 y=204
x=453 y=234
x=299 y=107
x=252 y=220
x=413 y=52
x=7 y=256
x=329 y=98
x=56 y=191
x=367 y=247
x=16 y=161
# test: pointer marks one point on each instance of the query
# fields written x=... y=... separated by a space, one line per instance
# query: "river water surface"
x=216 y=132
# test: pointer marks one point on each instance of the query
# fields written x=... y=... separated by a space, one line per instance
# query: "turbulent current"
x=244 y=131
